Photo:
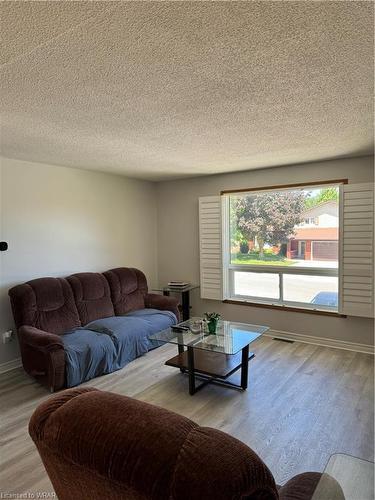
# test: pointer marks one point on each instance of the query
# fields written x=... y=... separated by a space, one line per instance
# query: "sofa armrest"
x=43 y=356
x=303 y=486
x=162 y=302
x=40 y=339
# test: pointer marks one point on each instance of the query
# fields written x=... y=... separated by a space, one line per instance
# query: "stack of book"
x=178 y=284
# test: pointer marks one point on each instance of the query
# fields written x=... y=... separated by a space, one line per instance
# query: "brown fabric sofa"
x=46 y=308
x=98 y=445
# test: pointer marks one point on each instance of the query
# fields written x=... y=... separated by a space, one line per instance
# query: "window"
x=327 y=266
x=282 y=246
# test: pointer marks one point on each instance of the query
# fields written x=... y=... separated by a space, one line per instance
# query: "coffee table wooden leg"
x=244 y=367
x=190 y=351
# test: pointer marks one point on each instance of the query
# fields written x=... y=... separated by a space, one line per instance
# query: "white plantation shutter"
x=210 y=247
x=357 y=250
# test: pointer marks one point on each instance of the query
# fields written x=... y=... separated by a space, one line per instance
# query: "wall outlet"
x=7 y=336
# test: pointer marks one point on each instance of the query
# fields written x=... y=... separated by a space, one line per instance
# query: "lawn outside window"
x=282 y=246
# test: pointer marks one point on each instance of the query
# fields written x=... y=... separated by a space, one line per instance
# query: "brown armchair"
x=97 y=445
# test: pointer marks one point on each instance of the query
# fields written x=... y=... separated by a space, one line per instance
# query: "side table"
x=185 y=296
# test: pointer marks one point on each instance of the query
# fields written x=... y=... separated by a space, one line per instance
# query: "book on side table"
x=178 y=284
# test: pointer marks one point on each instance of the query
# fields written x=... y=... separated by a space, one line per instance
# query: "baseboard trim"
x=10 y=365
x=309 y=339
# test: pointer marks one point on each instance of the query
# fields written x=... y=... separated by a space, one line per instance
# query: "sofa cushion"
x=128 y=289
x=88 y=354
x=45 y=303
x=131 y=332
x=108 y=344
x=92 y=296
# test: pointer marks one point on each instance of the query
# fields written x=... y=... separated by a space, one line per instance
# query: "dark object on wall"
x=149 y=453
x=3 y=246
x=46 y=308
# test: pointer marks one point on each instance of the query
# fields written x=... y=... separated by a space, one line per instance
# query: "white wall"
x=60 y=220
x=178 y=243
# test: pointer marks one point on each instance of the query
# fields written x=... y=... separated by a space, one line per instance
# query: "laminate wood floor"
x=304 y=403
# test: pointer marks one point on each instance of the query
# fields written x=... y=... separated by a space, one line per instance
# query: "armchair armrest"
x=162 y=302
x=40 y=339
x=303 y=486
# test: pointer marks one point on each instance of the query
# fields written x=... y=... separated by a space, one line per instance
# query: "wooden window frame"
x=229 y=269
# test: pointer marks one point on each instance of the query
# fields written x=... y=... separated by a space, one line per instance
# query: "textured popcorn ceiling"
x=159 y=90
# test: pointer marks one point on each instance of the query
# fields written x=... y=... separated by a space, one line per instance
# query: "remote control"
x=180 y=328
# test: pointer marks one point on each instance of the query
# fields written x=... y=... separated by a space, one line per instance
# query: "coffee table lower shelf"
x=212 y=367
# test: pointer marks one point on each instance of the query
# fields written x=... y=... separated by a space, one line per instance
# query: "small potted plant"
x=212 y=319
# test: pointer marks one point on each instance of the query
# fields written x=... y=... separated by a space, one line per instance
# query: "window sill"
x=285 y=308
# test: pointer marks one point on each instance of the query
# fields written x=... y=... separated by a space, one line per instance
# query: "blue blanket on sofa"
x=108 y=344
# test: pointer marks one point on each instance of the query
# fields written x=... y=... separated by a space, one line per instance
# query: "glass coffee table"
x=211 y=358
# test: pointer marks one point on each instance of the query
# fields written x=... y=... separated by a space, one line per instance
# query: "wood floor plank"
x=304 y=403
